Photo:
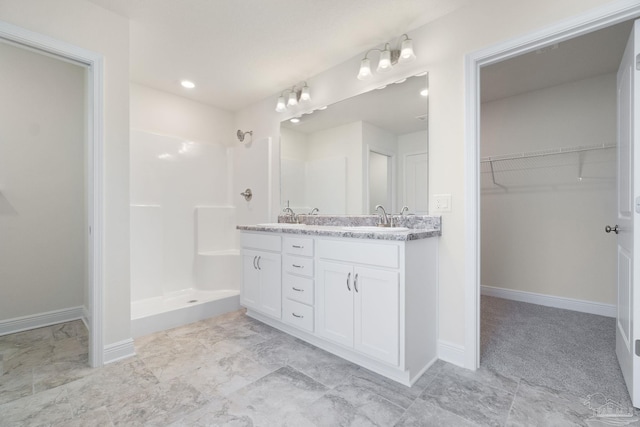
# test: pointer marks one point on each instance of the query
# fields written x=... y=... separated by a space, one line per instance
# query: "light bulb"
x=280 y=105
x=295 y=120
x=365 y=69
x=304 y=94
x=406 y=51
x=293 y=99
x=385 y=61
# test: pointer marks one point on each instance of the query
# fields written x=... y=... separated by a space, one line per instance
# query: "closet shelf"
x=544 y=153
x=556 y=163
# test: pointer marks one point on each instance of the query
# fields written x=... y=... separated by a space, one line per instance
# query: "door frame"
x=584 y=23
x=94 y=164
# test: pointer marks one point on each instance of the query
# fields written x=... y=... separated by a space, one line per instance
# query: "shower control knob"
x=608 y=229
x=247 y=194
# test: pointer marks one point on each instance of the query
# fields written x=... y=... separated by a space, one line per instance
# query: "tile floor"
x=234 y=371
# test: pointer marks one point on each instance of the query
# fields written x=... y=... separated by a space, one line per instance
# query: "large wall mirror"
x=367 y=150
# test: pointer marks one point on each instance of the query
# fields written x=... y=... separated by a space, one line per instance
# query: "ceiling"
x=397 y=108
x=576 y=59
x=239 y=52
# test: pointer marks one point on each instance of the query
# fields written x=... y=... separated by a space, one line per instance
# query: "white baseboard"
x=85 y=317
x=118 y=351
x=608 y=310
x=25 y=323
x=450 y=352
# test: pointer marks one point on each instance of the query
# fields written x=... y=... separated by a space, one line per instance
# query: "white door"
x=334 y=302
x=628 y=209
x=377 y=313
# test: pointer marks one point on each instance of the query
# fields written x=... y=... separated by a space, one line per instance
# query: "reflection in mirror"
x=367 y=150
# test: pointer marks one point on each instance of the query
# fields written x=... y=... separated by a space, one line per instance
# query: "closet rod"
x=533 y=154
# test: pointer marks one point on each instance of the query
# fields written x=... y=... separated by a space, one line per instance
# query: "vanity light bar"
x=388 y=58
x=295 y=94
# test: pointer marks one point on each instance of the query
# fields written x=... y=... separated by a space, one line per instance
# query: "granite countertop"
x=418 y=228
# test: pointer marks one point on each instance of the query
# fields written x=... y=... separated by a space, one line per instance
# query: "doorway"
x=584 y=24
x=93 y=171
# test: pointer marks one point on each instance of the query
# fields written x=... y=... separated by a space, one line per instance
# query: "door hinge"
x=637 y=347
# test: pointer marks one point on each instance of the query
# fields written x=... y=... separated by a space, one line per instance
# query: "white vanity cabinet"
x=262 y=273
x=359 y=307
x=371 y=301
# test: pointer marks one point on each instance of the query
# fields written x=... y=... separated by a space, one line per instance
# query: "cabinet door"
x=250 y=292
x=376 y=307
x=270 y=270
x=334 y=302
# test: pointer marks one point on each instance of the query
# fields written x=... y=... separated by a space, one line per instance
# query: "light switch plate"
x=442 y=203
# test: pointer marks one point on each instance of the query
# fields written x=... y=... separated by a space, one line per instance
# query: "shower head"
x=241 y=134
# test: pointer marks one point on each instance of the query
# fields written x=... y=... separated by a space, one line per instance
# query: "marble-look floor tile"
x=154 y=344
x=110 y=385
x=215 y=413
x=42 y=409
x=349 y=405
x=484 y=375
x=268 y=400
x=276 y=352
x=539 y=405
x=469 y=398
x=224 y=376
x=424 y=413
x=15 y=386
x=96 y=418
x=55 y=374
x=394 y=392
x=323 y=367
x=28 y=338
x=69 y=330
x=159 y=405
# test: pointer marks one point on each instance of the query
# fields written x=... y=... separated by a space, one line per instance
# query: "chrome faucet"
x=384 y=218
x=314 y=211
x=404 y=209
x=291 y=213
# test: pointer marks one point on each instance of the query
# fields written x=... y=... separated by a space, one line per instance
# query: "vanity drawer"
x=298 y=288
x=297 y=314
x=298 y=246
x=267 y=242
x=298 y=265
x=381 y=255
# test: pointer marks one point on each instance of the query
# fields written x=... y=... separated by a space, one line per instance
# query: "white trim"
x=583 y=306
x=589 y=21
x=85 y=317
x=118 y=351
x=95 y=116
x=33 y=321
x=452 y=353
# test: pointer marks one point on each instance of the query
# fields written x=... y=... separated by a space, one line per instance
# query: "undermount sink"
x=370 y=229
x=281 y=225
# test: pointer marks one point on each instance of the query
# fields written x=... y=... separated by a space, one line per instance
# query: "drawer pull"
x=348 y=277
x=298 y=316
x=259 y=268
x=297 y=290
x=254 y=262
x=298 y=266
x=355 y=283
x=298 y=247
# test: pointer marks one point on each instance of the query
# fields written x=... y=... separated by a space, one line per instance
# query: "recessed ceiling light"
x=424 y=92
x=295 y=120
x=187 y=84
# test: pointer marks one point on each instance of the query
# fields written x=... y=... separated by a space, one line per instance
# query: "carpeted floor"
x=565 y=350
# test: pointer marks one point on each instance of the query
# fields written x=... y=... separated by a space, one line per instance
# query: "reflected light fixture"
x=187 y=84
x=388 y=58
x=291 y=97
x=424 y=92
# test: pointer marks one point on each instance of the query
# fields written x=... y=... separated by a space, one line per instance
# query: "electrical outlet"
x=442 y=202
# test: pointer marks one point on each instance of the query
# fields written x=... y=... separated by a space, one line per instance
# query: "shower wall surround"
x=177 y=188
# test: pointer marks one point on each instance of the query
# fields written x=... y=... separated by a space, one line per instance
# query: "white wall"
x=88 y=26
x=440 y=47
x=42 y=191
x=545 y=232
